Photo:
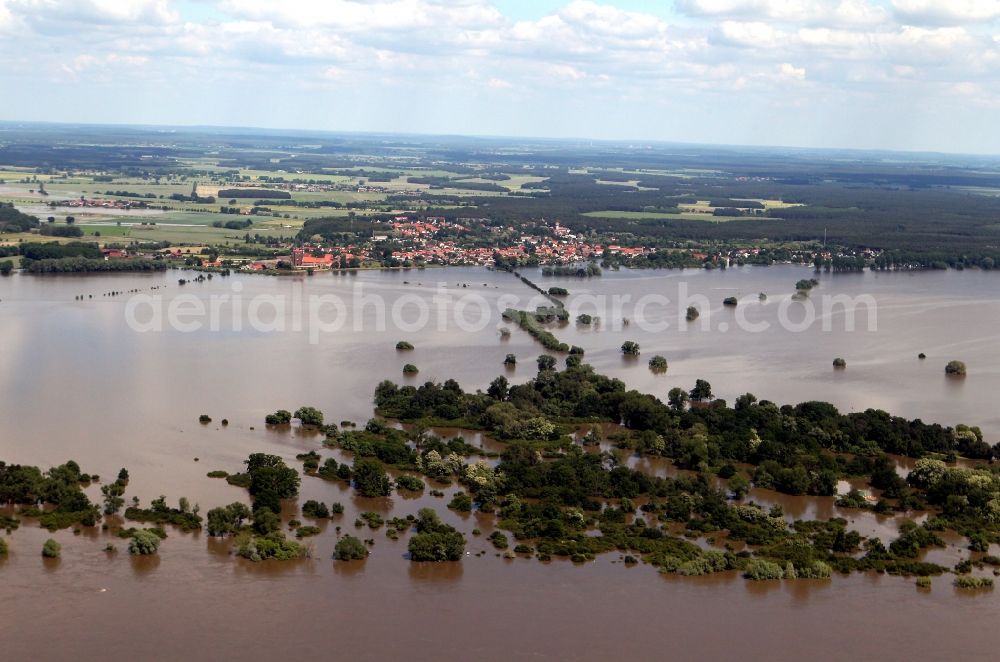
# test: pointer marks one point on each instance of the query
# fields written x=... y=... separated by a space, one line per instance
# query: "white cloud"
x=598 y=19
x=6 y=18
x=749 y=35
x=150 y=12
x=583 y=53
x=791 y=72
x=841 y=40
x=946 y=12
x=366 y=16
x=829 y=12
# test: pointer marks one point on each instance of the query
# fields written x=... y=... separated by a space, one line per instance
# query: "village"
x=407 y=241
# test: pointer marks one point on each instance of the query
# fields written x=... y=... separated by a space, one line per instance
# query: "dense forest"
x=12 y=220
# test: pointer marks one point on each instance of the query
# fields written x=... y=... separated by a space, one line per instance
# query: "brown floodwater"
x=78 y=383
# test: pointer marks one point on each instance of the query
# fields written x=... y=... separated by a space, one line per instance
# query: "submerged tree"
x=956 y=368
x=51 y=549
x=114 y=497
x=435 y=540
x=370 y=479
x=280 y=417
x=309 y=416
x=658 y=364
x=350 y=548
x=143 y=543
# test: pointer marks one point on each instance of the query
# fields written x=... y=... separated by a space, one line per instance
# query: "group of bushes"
x=59 y=487
x=183 y=516
x=309 y=416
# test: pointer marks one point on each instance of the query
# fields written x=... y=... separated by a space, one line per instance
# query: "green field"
x=187 y=222
x=631 y=215
x=175 y=234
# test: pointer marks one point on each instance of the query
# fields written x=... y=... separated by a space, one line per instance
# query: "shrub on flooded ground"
x=374 y=520
x=968 y=581
x=435 y=540
x=307 y=531
x=8 y=522
x=350 y=548
x=51 y=549
x=309 y=416
x=759 y=569
x=461 y=502
x=280 y=417
x=310 y=461
x=184 y=516
x=315 y=510
x=228 y=519
x=58 y=489
x=499 y=540
x=331 y=470
x=271 y=547
x=144 y=543
x=411 y=483
x=370 y=478
x=956 y=368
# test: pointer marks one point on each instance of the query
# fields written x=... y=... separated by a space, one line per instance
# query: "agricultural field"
x=175 y=234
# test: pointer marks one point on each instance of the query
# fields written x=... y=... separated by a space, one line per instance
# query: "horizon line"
x=499 y=137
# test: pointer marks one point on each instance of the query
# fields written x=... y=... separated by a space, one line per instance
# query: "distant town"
x=416 y=242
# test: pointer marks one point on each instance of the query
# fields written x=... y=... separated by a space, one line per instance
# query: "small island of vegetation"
x=806 y=284
x=955 y=369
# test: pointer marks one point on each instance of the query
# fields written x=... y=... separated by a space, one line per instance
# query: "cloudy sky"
x=898 y=74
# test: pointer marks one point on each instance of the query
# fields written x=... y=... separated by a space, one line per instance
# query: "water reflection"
x=433 y=573
x=143 y=564
x=349 y=568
